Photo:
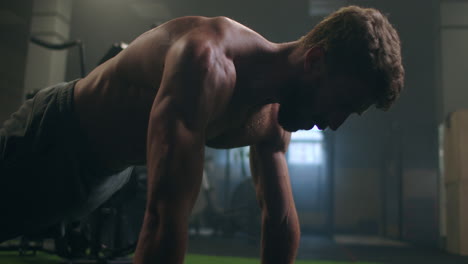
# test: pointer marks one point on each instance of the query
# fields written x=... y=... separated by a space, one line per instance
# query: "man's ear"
x=314 y=62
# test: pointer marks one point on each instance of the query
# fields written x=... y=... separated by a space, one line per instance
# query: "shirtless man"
x=195 y=81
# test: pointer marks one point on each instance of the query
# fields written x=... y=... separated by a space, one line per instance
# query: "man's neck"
x=269 y=74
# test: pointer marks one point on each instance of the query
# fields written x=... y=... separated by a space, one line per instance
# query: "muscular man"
x=189 y=83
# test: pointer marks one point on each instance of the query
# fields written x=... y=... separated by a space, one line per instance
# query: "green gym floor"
x=43 y=258
x=313 y=250
x=340 y=249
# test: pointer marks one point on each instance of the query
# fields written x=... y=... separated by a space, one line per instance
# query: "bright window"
x=306 y=148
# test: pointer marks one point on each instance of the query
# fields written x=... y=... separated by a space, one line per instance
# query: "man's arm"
x=175 y=152
x=280 y=223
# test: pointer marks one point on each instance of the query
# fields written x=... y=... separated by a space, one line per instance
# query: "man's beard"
x=289 y=117
x=292 y=115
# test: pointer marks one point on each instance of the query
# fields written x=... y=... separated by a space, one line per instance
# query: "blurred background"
x=376 y=184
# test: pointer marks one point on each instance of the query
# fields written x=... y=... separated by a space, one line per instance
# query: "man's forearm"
x=280 y=223
x=164 y=233
x=171 y=191
x=280 y=239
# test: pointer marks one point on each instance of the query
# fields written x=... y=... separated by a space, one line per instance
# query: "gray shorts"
x=47 y=172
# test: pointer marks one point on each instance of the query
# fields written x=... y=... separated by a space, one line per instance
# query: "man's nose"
x=337 y=119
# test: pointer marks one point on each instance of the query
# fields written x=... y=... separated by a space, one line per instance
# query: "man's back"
x=114 y=101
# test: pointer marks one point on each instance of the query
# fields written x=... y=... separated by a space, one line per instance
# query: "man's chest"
x=243 y=129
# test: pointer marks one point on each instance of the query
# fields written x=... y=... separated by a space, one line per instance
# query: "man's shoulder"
x=201 y=29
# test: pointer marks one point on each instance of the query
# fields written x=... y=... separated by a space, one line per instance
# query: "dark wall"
x=101 y=23
x=14 y=34
x=403 y=142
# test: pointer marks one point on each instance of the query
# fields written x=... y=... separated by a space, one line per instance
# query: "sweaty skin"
x=189 y=83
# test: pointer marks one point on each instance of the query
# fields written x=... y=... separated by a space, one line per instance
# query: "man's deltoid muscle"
x=189 y=83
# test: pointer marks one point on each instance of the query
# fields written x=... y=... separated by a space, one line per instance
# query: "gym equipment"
x=241 y=214
x=62 y=46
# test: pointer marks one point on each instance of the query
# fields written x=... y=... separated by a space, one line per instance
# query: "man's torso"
x=113 y=102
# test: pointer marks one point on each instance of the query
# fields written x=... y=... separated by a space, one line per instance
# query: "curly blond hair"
x=362 y=42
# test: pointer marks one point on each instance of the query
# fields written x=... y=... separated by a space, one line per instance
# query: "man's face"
x=327 y=102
